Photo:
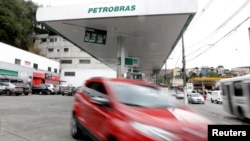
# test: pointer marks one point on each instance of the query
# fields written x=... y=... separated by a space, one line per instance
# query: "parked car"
x=2 y=87
x=51 y=87
x=26 y=87
x=67 y=90
x=12 y=89
x=196 y=98
x=216 y=97
x=172 y=92
x=122 y=110
x=41 y=89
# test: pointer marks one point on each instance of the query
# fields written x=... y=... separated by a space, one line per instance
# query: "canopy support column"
x=121 y=53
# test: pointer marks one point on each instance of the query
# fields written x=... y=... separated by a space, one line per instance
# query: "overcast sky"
x=208 y=40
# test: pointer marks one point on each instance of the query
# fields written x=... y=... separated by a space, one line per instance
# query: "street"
x=215 y=113
x=47 y=118
x=35 y=118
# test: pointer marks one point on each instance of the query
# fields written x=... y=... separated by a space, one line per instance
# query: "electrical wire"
x=222 y=25
x=226 y=35
x=198 y=16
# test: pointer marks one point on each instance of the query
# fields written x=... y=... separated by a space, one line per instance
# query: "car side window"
x=95 y=89
x=98 y=87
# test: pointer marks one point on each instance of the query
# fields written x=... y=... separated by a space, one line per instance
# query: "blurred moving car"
x=121 y=109
x=180 y=95
x=216 y=97
x=196 y=98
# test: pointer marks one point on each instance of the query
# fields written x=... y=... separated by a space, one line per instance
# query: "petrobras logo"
x=111 y=9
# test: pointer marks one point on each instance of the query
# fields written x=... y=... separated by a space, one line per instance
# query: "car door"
x=97 y=115
x=2 y=87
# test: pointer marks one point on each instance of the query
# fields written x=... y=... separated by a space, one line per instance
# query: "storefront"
x=8 y=72
x=40 y=78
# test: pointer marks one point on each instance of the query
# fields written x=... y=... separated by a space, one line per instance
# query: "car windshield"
x=196 y=95
x=141 y=96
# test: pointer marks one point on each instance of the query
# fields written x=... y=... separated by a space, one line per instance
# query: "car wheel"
x=8 y=93
x=76 y=132
x=212 y=101
x=241 y=114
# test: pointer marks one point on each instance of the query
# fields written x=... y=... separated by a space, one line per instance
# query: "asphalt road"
x=35 y=118
x=47 y=117
x=215 y=113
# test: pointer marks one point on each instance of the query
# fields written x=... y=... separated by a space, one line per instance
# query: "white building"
x=75 y=64
x=27 y=65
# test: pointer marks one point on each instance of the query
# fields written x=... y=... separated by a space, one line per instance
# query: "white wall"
x=83 y=74
x=9 y=54
x=75 y=54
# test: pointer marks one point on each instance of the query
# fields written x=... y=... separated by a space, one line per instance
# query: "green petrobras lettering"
x=90 y=10
x=100 y=9
x=122 y=8
x=116 y=9
x=111 y=9
x=127 y=8
x=133 y=8
x=105 y=9
x=95 y=10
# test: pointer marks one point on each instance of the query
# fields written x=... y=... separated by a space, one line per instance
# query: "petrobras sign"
x=123 y=8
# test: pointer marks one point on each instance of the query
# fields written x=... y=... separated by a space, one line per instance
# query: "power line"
x=223 y=24
x=226 y=35
x=197 y=50
x=177 y=60
x=197 y=17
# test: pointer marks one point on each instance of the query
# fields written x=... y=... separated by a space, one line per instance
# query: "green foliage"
x=212 y=74
x=192 y=74
x=18 y=23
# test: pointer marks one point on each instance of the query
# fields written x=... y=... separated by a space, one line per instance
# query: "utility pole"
x=184 y=71
x=166 y=74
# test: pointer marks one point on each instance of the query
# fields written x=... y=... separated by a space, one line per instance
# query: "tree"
x=220 y=66
x=212 y=74
x=192 y=74
x=18 y=23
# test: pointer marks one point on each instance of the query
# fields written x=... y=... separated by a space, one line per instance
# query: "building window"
x=50 y=50
x=35 y=66
x=49 y=68
x=51 y=40
x=66 y=61
x=43 y=40
x=84 y=61
x=66 y=49
x=55 y=70
x=69 y=73
x=17 y=61
x=58 y=50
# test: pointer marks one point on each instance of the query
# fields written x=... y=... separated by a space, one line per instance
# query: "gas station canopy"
x=146 y=29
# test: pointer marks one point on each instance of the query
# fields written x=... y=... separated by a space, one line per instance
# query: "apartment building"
x=75 y=64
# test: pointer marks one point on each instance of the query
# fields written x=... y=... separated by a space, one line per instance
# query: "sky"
x=211 y=39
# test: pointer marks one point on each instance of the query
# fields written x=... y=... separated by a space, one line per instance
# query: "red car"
x=122 y=110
